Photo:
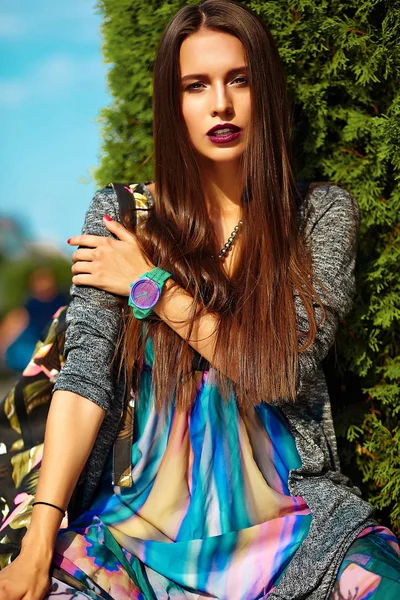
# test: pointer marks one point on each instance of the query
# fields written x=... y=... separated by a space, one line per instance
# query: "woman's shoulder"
x=331 y=205
x=323 y=196
x=103 y=202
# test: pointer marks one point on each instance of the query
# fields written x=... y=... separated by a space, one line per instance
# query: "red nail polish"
x=107 y=218
x=68 y=240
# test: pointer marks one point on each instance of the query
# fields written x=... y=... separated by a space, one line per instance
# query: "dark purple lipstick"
x=223 y=133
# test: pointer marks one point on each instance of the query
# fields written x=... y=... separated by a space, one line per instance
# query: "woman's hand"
x=106 y=263
x=26 y=577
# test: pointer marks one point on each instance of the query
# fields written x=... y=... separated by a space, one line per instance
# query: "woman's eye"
x=191 y=86
x=241 y=80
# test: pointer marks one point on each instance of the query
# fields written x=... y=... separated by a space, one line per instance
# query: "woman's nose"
x=221 y=101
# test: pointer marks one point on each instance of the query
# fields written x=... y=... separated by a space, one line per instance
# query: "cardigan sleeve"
x=331 y=229
x=93 y=318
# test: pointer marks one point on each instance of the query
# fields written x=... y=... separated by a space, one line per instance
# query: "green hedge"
x=343 y=66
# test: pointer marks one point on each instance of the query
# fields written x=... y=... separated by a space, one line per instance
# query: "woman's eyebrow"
x=235 y=71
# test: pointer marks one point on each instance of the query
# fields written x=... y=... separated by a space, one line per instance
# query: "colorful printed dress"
x=209 y=515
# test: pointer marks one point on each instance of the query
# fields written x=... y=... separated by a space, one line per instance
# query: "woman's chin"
x=221 y=156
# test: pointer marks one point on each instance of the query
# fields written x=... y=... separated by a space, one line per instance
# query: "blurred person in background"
x=22 y=327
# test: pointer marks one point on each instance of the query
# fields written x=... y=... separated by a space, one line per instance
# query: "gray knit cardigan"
x=338 y=512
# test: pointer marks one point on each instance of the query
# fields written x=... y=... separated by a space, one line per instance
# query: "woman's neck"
x=222 y=185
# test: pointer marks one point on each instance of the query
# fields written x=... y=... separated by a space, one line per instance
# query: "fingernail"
x=107 y=218
x=68 y=240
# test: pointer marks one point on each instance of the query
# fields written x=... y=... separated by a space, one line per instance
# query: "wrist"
x=42 y=531
x=168 y=285
x=38 y=546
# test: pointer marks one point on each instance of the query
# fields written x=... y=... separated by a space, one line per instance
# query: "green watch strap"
x=158 y=275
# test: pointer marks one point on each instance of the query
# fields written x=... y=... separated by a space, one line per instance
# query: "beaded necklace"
x=229 y=243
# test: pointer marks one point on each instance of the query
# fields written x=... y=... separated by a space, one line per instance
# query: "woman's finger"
x=87 y=240
x=117 y=229
x=83 y=254
x=82 y=267
x=83 y=279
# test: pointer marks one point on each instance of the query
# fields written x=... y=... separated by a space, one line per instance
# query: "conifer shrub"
x=343 y=68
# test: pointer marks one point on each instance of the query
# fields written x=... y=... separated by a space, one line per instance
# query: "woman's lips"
x=224 y=138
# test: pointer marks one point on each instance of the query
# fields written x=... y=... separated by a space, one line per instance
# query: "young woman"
x=233 y=488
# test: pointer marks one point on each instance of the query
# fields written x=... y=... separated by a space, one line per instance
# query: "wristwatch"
x=146 y=291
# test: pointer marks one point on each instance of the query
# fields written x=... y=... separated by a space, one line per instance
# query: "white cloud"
x=11 y=26
x=57 y=74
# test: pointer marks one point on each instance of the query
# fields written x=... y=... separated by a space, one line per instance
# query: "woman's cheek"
x=194 y=135
x=191 y=118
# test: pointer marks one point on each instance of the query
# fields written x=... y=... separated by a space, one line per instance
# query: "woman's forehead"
x=211 y=52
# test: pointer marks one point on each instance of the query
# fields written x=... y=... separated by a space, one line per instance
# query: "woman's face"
x=214 y=91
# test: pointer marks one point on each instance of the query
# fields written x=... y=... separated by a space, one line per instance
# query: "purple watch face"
x=145 y=293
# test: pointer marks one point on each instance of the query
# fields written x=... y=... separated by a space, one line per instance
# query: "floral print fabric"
x=370 y=569
x=23 y=414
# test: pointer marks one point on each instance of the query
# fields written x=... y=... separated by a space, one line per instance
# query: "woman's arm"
x=71 y=429
x=332 y=225
x=93 y=318
x=175 y=308
x=84 y=387
x=331 y=232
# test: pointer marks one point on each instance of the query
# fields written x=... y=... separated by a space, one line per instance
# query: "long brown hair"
x=257 y=335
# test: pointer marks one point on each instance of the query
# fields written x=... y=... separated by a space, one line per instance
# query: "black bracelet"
x=53 y=505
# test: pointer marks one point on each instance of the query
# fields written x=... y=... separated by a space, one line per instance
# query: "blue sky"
x=52 y=85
